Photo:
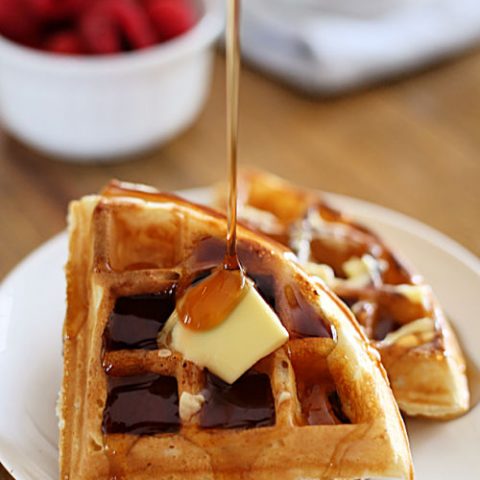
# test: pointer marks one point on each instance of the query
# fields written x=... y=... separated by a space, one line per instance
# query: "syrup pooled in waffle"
x=133 y=408
x=395 y=307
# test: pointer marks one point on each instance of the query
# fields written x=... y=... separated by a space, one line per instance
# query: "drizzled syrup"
x=317 y=393
x=142 y=405
x=378 y=323
x=136 y=320
x=207 y=304
x=321 y=404
x=384 y=324
x=247 y=403
x=285 y=297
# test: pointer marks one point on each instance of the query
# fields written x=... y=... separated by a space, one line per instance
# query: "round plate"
x=32 y=304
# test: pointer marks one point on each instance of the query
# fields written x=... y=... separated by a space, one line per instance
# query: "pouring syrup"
x=209 y=303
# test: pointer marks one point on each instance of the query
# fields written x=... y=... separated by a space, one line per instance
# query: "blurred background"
x=376 y=99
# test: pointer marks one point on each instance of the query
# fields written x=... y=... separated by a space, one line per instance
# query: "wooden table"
x=412 y=145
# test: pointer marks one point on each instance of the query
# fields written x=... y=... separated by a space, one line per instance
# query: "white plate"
x=31 y=316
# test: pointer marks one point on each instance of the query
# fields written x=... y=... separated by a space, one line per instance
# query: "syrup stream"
x=233 y=72
x=207 y=304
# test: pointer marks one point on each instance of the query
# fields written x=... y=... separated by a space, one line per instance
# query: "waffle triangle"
x=318 y=407
x=394 y=305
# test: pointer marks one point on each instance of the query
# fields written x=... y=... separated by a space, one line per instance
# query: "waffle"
x=394 y=306
x=130 y=407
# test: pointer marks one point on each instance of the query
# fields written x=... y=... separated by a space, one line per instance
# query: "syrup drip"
x=233 y=69
x=207 y=304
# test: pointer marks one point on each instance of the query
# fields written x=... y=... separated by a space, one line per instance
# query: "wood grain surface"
x=412 y=145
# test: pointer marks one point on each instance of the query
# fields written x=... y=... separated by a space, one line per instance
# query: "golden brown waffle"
x=395 y=307
x=131 y=408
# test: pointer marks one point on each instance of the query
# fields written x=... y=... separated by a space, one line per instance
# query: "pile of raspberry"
x=93 y=27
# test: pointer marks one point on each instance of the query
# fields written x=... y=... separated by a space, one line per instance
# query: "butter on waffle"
x=395 y=307
x=132 y=408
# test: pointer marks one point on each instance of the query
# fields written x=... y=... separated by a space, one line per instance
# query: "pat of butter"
x=250 y=332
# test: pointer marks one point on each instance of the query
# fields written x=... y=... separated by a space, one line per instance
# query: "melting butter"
x=251 y=331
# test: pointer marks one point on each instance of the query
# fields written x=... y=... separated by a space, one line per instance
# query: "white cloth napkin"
x=326 y=46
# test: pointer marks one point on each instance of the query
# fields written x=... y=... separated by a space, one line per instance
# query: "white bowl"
x=102 y=107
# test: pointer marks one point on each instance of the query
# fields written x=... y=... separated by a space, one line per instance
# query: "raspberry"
x=109 y=23
x=65 y=42
x=17 y=23
x=99 y=33
x=56 y=10
x=135 y=23
x=171 y=18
